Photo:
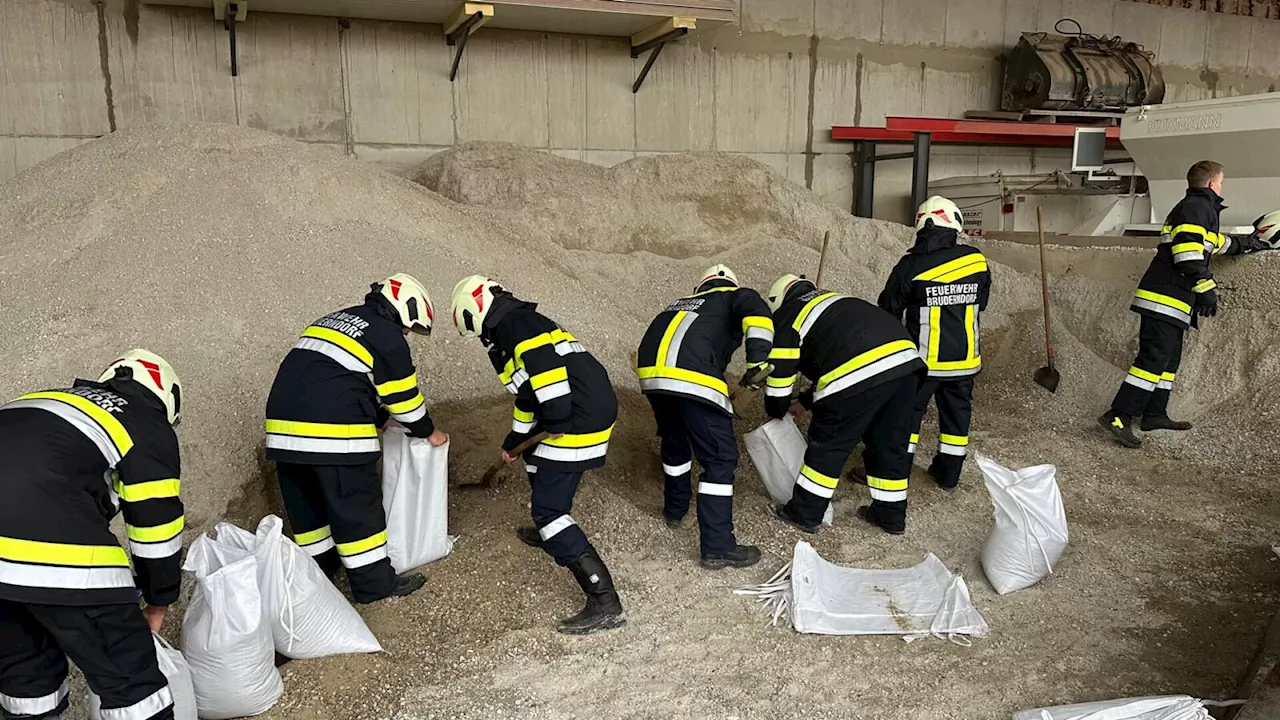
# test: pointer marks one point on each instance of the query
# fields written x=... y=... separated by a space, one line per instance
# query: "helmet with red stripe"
x=153 y=373
x=472 y=301
x=784 y=285
x=1267 y=229
x=941 y=212
x=410 y=300
x=716 y=272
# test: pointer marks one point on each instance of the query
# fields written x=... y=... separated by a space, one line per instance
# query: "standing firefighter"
x=1177 y=289
x=72 y=460
x=350 y=371
x=559 y=389
x=681 y=365
x=942 y=287
x=865 y=372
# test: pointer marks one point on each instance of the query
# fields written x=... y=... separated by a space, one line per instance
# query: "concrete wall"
x=769 y=87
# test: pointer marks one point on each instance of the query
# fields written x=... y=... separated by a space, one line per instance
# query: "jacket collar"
x=933 y=238
x=1207 y=194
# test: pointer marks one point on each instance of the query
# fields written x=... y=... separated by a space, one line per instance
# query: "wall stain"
x=809 y=156
x=132 y=14
x=104 y=61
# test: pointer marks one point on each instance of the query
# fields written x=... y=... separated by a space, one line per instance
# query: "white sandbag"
x=176 y=671
x=309 y=617
x=415 y=495
x=1170 y=707
x=777 y=450
x=225 y=639
x=1030 y=532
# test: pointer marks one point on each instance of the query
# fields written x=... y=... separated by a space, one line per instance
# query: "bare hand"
x=155 y=616
x=437 y=438
x=506 y=457
x=797 y=410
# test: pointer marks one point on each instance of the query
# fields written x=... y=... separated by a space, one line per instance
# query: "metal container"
x=1060 y=72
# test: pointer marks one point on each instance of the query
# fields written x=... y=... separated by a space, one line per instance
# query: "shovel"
x=486 y=480
x=1046 y=377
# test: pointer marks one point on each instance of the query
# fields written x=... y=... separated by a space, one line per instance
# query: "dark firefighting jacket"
x=558 y=386
x=345 y=375
x=688 y=346
x=1180 y=269
x=942 y=287
x=72 y=459
x=843 y=344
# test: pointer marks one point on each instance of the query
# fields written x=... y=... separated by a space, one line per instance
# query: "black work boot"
x=739 y=557
x=937 y=474
x=783 y=513
x=1163 y=422
x=1120 y=427
x=672 y=522
x=405 y=584
x=603 y=610
x=866 y=513
x=529 y=535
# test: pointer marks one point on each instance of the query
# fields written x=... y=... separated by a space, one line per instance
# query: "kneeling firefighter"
x=562 y=390
x=73 y=459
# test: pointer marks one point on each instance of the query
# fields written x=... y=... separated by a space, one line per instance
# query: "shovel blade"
x=1047 y=377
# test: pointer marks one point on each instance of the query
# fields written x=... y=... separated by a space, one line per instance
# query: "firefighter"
x=74 y=458
x=681 y=364
x=562 y=390
x=865 y=372
x=1177 y=289
x=942 y=287
x=346 y=377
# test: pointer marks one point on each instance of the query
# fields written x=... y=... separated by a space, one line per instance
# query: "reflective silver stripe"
x=684 y=387
x=568 y=348
x=552 y=391
x=531 y=468
x=771 y=391
x=888 y=495
x=902 y=357
x=1165 y=385
x=413 y=415
x=1189 y=255
x=677 y=339
x=144 y=709
x=67 y=578
x=1140 y=383
x=717 y=489
x=756 y=332
x=511 y=388
x=1175 y=313
x=911 y=449
x=155 y=551
x=955 y=373
x=521 y=426
x=563 y=454
x=815 y=313
x=109 y=477
x=553 y=528
x=956 y=450
x=322 y=445
x=924 y=334
x=35 y=705
x=677 y=469
x=368 y=557
x=814 y=487
x=82 y=422
x=335 y=353
x=319 y=547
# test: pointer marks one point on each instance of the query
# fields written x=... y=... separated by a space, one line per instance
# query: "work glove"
x=805 y=398
x=755 y=376
x=1207 y=304
x=1253 y=243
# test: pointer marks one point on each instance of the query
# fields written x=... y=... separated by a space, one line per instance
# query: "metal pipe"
x=232 y=10
x=920 y=170
x=866 y=178
x=648 y=65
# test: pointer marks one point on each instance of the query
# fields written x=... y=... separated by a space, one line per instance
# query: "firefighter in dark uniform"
x=72 y=460
x=942 y=287
x=865 y=372
x=1177 y=289
x=345 y=377
x=681 y=364
x=562 y=390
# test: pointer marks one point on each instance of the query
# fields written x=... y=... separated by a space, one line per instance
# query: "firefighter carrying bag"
x=177 y=672
x=1030 y=532
x=777 y=450
x=415 y=495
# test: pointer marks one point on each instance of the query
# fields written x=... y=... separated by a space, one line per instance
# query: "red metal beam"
x=971 y=132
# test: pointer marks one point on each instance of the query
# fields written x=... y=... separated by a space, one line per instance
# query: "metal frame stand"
x=459 y=38
x=656 y=46
x=229 y=23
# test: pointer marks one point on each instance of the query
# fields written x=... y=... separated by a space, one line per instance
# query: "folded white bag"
x=225 y=639
x=415 y=495
x=176 y=671
x=777 y=450
x=1030 y=532
x=1169 y=707
x=309 y=617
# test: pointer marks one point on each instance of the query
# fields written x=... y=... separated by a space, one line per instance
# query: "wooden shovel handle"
x=1044 y=289
x=517 y=451
x=822 y=259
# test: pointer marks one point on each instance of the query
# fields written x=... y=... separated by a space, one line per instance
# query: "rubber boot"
x=1120 y=427
x=603 y=610
x=783 y=513
x=1163 y=422
x=529 y=535
x=739 y=557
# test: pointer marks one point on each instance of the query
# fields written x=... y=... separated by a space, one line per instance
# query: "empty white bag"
x=225 y=639
x=175 y=669
x=415 y=495
x=309 y=617
x=1030 y=531
x=1170 y=707
x=777 y=450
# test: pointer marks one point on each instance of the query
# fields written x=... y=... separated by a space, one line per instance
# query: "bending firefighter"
x=942 y=287
x=1177 y=289
x=681 y=364
x=865 y=372
x=73 y=459
x=562 y=390
x=345 y=377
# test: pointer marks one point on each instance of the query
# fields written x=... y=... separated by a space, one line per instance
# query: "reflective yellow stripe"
x=1204 y=286
x=1169 y=376
x=970 y=331
x=1163 y=300
x=781 y=382
x=359 y=546
x=47 y=553
x=510 y=369
x=1219 y=242
x=1140 y=373
x=1190 y=230
x=397 y=386
x=915 y=437
x=119 y=436
x=961 y=440
x=781 y=353
x=584 y=440
x=825 y=481
x=713 y=290
x=971 y=363
x=520 y=415
x=1188 y=247
x=808 y=308
x=675 y=373
x=753 y=321
x=409 y=405
x=321 y=430
x=964 y=272
x=153 y=490
x=666 y=338
x=888 y=485
x=343 y=341
x=532 y=343
x=959 y=265
x=865 y=359
x=156 y=533
x=314 y=536
x=935 y=334
x=544 y=379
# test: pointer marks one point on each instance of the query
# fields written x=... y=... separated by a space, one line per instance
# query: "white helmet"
x=153 y=373
x=716 y=272
x=778 y=290
x=410 y=300
x=472 y=300
x=942 y=212
x=1267 y=229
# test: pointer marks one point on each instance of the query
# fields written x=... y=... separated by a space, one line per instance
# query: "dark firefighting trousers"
x=1145 y=390
x=337 y=518
x=111 y=644
x=955 y=408
x=882 y=419
x=551 y=501
x=691 y=429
